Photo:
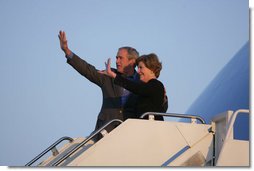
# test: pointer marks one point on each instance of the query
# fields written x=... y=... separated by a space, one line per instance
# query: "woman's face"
x=145 y=73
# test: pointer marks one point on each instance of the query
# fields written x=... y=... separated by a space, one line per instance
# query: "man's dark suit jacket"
x=111 y=105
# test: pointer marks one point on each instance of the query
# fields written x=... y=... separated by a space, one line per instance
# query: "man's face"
x=123 y=64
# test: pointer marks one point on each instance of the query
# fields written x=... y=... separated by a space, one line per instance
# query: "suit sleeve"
x=86 y=69
x=139 y=88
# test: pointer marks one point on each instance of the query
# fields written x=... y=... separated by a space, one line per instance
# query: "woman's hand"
x=108 y=70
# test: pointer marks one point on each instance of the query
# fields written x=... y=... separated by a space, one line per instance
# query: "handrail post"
x=55 y=152
x=193 y=120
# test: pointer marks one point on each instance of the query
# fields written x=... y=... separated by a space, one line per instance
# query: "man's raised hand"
x=63 y=42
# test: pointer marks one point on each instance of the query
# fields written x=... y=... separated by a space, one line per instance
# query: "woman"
x=150 y=89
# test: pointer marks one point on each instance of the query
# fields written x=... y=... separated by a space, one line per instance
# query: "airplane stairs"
x=139 y=142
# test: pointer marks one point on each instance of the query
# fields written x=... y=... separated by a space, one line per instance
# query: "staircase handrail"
x=175 y=115
x=84 y=142
x=48 y=149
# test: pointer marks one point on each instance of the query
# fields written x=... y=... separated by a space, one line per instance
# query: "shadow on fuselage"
x=229 y=90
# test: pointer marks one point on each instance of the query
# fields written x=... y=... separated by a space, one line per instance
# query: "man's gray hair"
x=132 y=52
